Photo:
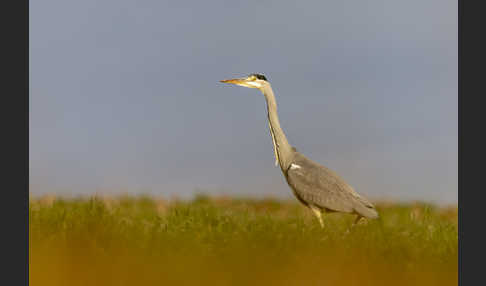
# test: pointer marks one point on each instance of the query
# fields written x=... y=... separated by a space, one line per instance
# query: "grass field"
x=224 y=241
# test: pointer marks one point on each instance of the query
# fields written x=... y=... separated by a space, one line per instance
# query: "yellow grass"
x=224 y=241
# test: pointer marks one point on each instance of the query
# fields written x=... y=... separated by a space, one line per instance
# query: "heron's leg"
x=318 y=214
x=353 y=225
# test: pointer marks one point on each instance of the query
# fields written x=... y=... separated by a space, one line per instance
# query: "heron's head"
x=251 y=81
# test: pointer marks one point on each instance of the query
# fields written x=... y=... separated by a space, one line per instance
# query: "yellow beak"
x=238 y=81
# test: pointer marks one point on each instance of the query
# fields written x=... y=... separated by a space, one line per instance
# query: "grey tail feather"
x=366 y=208
x=367 y=211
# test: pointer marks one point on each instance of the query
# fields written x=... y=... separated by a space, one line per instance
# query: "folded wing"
x=317 y=185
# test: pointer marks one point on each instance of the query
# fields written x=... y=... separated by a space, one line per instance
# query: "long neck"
x=282 y=148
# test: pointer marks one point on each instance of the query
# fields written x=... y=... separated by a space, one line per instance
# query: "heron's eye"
x=252 y=77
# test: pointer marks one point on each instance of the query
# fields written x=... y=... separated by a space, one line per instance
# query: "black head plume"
x=259 y=76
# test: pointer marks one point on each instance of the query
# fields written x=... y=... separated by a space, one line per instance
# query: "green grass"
x=223 y=241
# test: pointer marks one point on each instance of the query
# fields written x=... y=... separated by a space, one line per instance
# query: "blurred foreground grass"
x=223 y=241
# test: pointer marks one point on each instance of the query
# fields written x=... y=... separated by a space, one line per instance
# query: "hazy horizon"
x=125 y=96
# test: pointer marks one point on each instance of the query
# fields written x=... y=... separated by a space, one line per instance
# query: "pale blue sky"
x=125 y=95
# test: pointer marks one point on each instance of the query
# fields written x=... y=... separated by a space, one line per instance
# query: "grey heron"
x=317 y=187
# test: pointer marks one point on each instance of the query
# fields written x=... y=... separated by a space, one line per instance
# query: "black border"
x=471 y=203
x=14 y=212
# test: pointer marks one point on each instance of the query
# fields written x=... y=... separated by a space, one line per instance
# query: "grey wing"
x=314 y=184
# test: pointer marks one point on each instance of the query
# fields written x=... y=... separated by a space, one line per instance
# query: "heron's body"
x=317 y=186
x=314 y=185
